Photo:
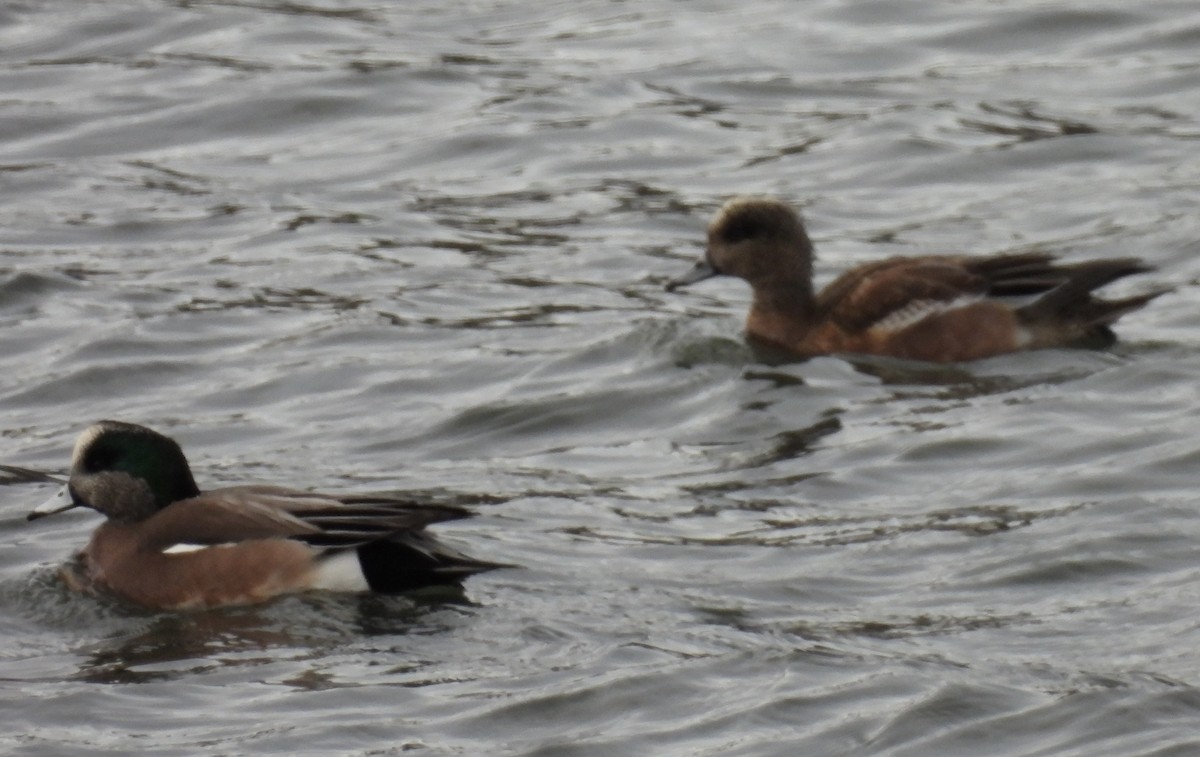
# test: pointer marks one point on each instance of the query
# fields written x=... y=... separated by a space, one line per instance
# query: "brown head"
x=761 y=240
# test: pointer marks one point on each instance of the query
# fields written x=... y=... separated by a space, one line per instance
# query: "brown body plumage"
x=935 y=308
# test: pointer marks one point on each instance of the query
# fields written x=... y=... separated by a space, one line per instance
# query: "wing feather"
x=900 y=292
x=243 y=513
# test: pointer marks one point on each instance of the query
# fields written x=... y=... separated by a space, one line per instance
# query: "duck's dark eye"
x=100 y=457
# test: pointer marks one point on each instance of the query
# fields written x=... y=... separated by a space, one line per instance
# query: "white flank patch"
x=1024 y=337
x=340 y=572
x=918 y=310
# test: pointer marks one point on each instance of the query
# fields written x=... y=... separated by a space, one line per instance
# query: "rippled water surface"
x=406 y=246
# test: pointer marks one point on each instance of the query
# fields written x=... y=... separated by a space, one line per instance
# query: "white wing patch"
x=182 y=549
x=918 y=310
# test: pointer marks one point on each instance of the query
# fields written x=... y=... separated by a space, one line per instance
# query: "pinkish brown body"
x=120 y=561
x=167 y=545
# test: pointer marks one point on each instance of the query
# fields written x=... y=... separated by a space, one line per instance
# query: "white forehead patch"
x=84 y=441
x=918 y=310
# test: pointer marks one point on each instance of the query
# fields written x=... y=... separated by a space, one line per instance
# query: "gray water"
x=421 y=247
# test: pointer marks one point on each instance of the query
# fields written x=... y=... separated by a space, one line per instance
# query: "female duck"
x=936 y=308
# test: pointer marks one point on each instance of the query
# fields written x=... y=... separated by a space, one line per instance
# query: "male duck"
x=935 y=308
x=167 y=545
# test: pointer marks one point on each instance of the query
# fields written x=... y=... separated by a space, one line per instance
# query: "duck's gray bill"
x=701 y=271
x=60 y=502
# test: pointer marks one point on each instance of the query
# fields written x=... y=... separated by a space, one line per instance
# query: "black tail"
x=416 y=560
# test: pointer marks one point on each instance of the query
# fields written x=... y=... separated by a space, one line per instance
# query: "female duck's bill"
x=700 y=271
x=167 y=545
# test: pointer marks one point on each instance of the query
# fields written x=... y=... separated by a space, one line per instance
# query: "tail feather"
x=1108 y=311
x=1070 y=311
